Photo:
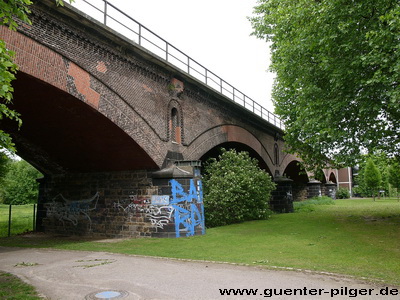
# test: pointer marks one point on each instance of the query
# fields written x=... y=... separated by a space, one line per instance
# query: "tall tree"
x=337 y=65
x=394 y=177
x=10 y=12
x=372 y=177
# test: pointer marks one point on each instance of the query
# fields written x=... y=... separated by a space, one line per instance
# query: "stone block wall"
x=120 y=204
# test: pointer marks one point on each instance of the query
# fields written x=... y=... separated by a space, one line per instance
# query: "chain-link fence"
x=16 y=219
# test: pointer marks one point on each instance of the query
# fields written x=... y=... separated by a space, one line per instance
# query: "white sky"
x=215 y=33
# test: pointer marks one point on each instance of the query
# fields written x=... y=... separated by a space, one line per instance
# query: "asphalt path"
x=59 y=274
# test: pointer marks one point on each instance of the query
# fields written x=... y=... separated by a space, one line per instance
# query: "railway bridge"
x=119 y=126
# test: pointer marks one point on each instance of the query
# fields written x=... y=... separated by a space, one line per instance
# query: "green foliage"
x=309 y=205
x=342 y=193
x=4 y=163
x=337 y=70
x=372 y=177
x=382 y=162
x=19 y=185
x=235 y=189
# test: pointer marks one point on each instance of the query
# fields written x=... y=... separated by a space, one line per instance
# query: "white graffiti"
x=160 y=216
x=72 y=210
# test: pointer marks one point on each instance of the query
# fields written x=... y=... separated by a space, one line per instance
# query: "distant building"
x=346 y=178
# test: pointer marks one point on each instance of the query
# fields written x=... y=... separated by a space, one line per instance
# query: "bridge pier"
x=330 y=190
x=314 y=189
x=282 y=196
x=143 y=203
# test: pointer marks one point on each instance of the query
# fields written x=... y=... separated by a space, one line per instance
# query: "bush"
x=19 y=185
x=342 y=193
x=235 y=189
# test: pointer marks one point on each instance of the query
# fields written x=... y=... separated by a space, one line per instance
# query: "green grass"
x=356 y=237
x=11 y=287
x=21 y=221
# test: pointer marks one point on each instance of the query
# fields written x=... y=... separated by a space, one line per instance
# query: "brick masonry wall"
x=120 y=204
x=135 y=93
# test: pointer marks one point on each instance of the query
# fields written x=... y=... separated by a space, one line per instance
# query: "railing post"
x=206 y=76
x=105 y=12
x=188 y=64
x=166 y=51
x=9 y=220
x=140 y=34
x=220 y=85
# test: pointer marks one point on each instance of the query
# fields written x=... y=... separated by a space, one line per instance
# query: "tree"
x=235 y=189
x=19 y=185
x=382 y=162
x=394 y=177
x=337 y=70
x=10 y=12
x=372 y=177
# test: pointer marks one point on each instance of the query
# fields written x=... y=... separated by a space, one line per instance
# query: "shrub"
x=342 y=193
x=235 y=189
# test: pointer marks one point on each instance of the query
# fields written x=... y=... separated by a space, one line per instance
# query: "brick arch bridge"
x=119 y=132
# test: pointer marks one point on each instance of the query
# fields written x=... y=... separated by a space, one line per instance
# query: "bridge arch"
x=295 y=172
x=61 y=133
x=229 y=136
x=332 y=177
x=51 y=91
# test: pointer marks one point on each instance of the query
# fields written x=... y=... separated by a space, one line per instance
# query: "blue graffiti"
x=188 y=207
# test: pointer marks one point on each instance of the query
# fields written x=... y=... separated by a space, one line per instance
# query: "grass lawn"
x=11 y=287
x=356 y=237
x=21 y=221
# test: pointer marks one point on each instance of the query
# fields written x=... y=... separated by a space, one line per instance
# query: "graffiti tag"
x=72 y=210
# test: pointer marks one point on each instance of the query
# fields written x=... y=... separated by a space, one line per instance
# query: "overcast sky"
x=215 y=33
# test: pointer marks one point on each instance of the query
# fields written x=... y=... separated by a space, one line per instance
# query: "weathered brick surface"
x=36 y=59
x=119 y=204
x=136 y=94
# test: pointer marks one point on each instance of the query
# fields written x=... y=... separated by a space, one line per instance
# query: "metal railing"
x=108 y=14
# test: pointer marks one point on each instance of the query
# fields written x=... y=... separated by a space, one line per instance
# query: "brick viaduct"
x=119 y=133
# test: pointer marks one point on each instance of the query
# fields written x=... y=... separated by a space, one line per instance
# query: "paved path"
x=96 y=275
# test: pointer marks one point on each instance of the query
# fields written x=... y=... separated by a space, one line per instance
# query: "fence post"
x=34 y=218
x=9 y=221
